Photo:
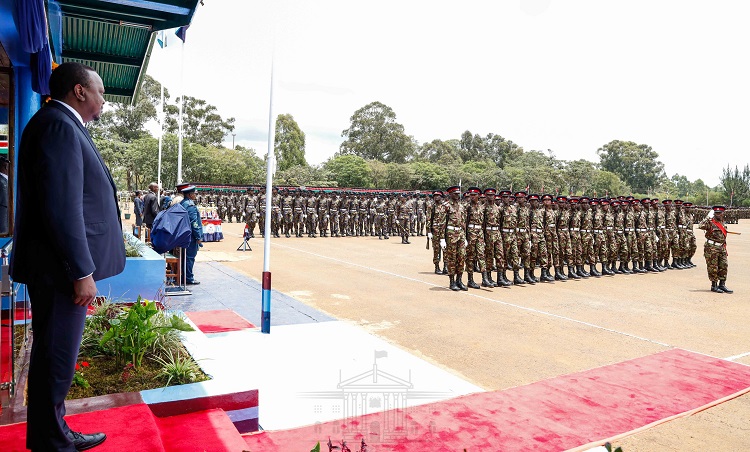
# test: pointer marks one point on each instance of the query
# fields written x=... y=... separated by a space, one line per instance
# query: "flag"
x=381 y=354
x=527 y=188
x=181 y=32
x=162 y=39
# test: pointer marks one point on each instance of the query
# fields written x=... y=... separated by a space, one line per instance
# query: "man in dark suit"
x=151 y=204
x=67 y=235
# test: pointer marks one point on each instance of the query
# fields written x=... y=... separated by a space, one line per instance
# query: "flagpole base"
x=265 y=321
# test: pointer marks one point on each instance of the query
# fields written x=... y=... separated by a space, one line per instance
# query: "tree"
x=607 y=184
x=635 y=164
x=349 y=171
x=736 y=185
x=578 y=176
x=493 y=147
x=202 y=123
x=439 y=151
x=125 y=122
x=429 y=176
x=289 y=144
x=374 y=134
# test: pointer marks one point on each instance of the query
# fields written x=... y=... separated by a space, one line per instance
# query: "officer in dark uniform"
x=196 y=236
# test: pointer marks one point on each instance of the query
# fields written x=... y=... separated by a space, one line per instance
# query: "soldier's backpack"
x=171 y=229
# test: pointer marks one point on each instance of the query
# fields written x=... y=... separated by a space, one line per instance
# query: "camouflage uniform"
x=538 y=254
x=510 y=239
x=563 y=236
x=404 y=211
x=475 y=250
x=324 y=214
x=435 y=216
x=334 y=211
x=454 y=233
x=287 y=209
x=493 y=243
x=715 y=251
x=380 y=227
x=312 y=214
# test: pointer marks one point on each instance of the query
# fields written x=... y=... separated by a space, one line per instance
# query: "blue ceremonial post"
x=265 y=322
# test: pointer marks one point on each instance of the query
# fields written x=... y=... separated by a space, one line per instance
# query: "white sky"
x=568 y=75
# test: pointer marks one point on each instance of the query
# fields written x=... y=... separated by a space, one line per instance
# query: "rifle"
x=735 y=233
x=428 y=244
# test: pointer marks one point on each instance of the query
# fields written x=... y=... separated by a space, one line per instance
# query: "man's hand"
x=443 y=244
x=84 y=291
x=429 y=235
x=710 y=214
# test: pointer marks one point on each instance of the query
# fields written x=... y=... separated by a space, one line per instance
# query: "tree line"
x=377 y=153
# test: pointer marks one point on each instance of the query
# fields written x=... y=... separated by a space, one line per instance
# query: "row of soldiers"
x=338 y=213
x=487 y=231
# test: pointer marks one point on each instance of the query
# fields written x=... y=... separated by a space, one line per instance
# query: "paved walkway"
x=223 y=288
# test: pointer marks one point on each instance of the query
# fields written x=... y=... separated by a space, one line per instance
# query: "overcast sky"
x=568 y=75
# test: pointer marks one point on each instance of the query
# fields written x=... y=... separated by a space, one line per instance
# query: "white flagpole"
x=179 y=121
x=161 y=134
x=265 y=325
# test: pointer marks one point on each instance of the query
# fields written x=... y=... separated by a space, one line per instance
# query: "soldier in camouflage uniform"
x=690 y=242
x=539 y=255
x=421 y=214
x=287 y=211
x=715 y=249
x=681 y=250
x=403 y=213
x=620 y=251
x=344 y=215
x=453 y=237
x=523 y=235
x=381 y=205
x=435 y=216
x=600 y=238
x=587 y=235
x=262 y=211
x=563 y=236
x=311 y=214
x=334 y=211
x=353 y=214
x=298 y=213
x=251 y=212
x=554 y=257
x=324 y=213
x=510 y=236
x=275 y=212
x=475 y=250
x=644 y=234
x=610 y=237
x=493 y=240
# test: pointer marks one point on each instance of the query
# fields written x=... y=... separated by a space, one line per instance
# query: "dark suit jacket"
x=67 y=216
x=150 y=208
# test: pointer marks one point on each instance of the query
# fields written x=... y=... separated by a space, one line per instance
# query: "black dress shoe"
x=193 y=283
x=85 y=442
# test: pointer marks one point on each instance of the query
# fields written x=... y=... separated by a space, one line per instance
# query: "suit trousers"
x=57 y=326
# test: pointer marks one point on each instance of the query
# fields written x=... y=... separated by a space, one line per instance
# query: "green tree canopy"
x=202 y=123
x=374 y=134
x=289 y=144
x=349 y=171
x=636 y=164
x=493 y=147
x=736 y=185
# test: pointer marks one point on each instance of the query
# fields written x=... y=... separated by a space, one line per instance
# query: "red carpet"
x=130 y=427
x=566 y=412
x=219 y=321
x=210 y=431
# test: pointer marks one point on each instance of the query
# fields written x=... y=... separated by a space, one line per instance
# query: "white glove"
x=429 y=235
x=466 y=243
x=443 y=244
x=710 y=213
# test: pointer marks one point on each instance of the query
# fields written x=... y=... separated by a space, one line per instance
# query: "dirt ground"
x=504 y=337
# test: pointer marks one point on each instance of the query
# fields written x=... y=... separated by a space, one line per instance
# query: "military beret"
x=454 y=189
x=185 y=188
x=645 y=201
x=474 y=190
x=667 y=201
x=506 y=193
x=717 y=208
x=562 y=198
x=490 y=191
x=678 y=201
x=547 y=196
x=520 y=194
x=533 y=197
x=574 y=200
x=594 y=202
x=437 y=193
x=687 y=204
x=584 y=199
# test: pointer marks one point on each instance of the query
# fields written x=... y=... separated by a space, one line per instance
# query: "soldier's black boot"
x=445 y=269
x=488 y=276
x=606 y=270
x=527 y=276
x=572 y=273
x=582 y=271
x=471 y=283
x=715 y=287
x=613 y=268
x=559 y=275
x=533 y=277
x=517 y=280
x=625 y=268
x=485 y=280
x=437 y=270
x=674 y=263
x=690 y=262
x=460 y=283
x=658 y=266
x=722 y=286
x=453 y=285
x=548 y=276
x=502 y=280
x=593 y=271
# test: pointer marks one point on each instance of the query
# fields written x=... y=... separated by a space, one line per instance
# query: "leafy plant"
x=177 y=368
x=133 y=246
x=132 y=333
x=78 y=378
x=608 y=446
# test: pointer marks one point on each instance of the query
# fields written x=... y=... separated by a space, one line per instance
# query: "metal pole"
x=161 y=134
x=179 y=120
x=265 y=324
